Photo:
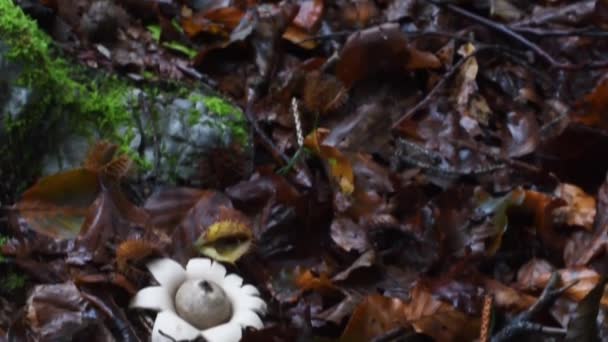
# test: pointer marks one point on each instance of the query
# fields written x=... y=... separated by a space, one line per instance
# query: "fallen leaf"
x=580 y=207
x=338 y=165
x=583 y=324
x=349 y=235
x=308 y=281
x=57 y=205
x=309 y=15
x=229 y=238
x=58 y=311
x=378 y=314
x=380 y=49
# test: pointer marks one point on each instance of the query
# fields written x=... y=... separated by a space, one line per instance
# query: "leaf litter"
x=412 y=159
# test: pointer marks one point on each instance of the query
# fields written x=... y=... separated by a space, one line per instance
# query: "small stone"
x=202 y=303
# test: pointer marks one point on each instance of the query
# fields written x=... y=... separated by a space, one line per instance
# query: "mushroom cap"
x=202 y=303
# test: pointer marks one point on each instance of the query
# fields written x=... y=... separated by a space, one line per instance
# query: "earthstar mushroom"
x=201 y=300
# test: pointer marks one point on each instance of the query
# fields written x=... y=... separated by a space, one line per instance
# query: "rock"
x=52 y=111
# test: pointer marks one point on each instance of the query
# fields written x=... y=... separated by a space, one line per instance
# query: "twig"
x=582 y=7
x=264 y=138
x=431 y=94
x=507 y=31
x=509 y=161
x=585 y=32
x=522 y=324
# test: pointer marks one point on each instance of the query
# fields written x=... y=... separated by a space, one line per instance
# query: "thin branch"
x=522 y=323
x=510 y=33
x=431 y=94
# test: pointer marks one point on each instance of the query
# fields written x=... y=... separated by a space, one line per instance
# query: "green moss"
x=64 y=91
x=12 y=282
x=235 y=118
x=3 y=241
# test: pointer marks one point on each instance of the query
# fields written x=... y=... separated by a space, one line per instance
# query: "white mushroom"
x=199 y=301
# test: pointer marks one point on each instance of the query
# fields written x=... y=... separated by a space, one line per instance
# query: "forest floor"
x=417 y=170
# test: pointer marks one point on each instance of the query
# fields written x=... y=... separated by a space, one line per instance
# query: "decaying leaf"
x=580 y=208
x=134 y=250
x=227 y=239
x=59 y=311
x=57 y=205
x=380 y=49
x=378 y=314
x=306 y=280
x=583 y=325
x=339 y=166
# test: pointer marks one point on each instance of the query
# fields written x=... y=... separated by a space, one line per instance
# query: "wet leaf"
x=338 y=165
x=380 y=49
x=349 y=235
x=229 y=238
x=58 y=311
x=307 y=281
x=219 y=21
x=378 y=314
x=109 y=219
x=583 y=325
x=57 y=204
x=309 y=15
x=498 y=207
x=580 y=208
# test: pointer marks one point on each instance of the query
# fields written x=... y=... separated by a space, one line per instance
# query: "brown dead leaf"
x=349 y=235
x=219 y=21
x=378 y=314
x=507 y=297
x=589 y=245
x=57 y=205
x=583 y=278
x=580 y=208
x=58 y=311
x=134 y=250
x=300 y=37
x=337 y=163
x=380 y=49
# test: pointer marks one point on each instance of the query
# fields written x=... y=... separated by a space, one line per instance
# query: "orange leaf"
x=306 y=281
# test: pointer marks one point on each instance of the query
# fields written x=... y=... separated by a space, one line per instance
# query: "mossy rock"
x=52 y=111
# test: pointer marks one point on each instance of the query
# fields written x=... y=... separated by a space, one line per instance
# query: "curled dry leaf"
x=380 y=49
x=580 y=207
